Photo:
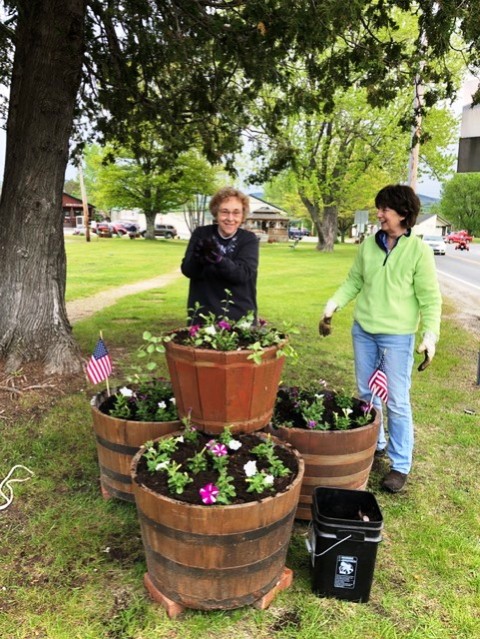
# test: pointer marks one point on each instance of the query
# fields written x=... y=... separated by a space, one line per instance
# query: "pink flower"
x=262 y=322
x=193 y=330
x=209 y=494
x=225 y=325
x=219 y=450
x=311 y=423
x=211 y=443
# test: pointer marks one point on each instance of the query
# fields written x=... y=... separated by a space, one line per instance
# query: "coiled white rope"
x=5 y=483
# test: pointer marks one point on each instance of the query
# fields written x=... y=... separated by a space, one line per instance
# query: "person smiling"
x=394 y=282
x=221 y=261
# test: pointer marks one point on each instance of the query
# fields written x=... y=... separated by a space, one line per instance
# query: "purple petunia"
x=220 y=450
x=225 y=325
x=311 y=423
x=209 y=494
x=193 y=330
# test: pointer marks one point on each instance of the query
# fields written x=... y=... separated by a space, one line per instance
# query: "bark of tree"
x=34 y=326
x=325 y=222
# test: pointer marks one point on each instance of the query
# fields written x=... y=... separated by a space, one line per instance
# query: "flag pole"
x=106 y=379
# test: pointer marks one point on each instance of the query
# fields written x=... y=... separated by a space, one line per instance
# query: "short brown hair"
x=402 y=199
x=225 y=193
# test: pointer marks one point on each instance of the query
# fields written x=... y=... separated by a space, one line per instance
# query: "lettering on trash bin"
x=346 y=572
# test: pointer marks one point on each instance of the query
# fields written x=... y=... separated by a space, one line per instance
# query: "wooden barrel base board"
x=173 y=609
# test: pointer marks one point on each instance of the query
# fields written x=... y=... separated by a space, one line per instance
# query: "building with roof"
x=268 y=222
x=432 y=224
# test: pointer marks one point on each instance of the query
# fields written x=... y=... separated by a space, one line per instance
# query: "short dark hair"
x=402 y=199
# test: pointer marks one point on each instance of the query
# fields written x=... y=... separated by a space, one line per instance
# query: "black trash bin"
x=345 y=532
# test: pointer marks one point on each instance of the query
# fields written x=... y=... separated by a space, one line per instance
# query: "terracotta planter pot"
x=336 y=459
x=224 y=388
x=117 y=442
x=214 y=557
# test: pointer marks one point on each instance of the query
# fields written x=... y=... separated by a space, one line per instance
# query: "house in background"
x=268 y=222
x=73 y=209
x=432 y=224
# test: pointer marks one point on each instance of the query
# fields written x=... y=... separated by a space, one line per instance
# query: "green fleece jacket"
x=393 y=290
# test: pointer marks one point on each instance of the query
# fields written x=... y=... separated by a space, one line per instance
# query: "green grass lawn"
x=72 y=563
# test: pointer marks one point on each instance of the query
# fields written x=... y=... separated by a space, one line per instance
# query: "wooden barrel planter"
x=215 y=557
x=117 y=442
x=224 y=388
x=335 y=458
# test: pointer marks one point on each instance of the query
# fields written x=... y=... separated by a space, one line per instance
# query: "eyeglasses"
x=227 y=213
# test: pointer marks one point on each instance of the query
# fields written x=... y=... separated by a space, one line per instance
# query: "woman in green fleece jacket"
x=394 y=282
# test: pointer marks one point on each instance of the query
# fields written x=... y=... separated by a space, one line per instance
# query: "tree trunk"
x=150 y=217
x=326 y=226
x=329 y=228
x=46 y=74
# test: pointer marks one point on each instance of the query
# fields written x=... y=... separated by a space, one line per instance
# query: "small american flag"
x=378 y=381
x=99 y=366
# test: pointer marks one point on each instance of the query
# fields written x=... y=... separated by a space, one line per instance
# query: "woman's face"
x=230 y=216
x=390 y=221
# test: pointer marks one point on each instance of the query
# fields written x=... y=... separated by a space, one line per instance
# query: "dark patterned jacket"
x=236 y=272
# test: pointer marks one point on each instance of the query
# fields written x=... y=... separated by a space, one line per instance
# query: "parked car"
x=164 y=230
x=436 y=243
x=297 y=234
x=458 y=236
x=109 y=229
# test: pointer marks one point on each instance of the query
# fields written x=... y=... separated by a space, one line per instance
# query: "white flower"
x=234 y=444
x=210 y=330
x=161 y=465
x=179 y=439
x=173 y=400
x=268 y=480
x=162 y=405
x=126 y=392
x=244 y=325
x=347 y=411
x=250 y=468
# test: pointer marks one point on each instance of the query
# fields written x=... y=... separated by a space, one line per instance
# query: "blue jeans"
x=398 y=363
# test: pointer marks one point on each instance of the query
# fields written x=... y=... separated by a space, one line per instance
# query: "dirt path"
x=83 y=308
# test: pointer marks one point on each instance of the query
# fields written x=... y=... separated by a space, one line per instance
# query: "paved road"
x=462 y=268
x=459 y=277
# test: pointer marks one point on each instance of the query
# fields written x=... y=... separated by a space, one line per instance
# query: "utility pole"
x=416 y=132
x=86 y=220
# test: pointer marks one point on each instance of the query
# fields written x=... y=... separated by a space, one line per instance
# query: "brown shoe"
x=394 y=481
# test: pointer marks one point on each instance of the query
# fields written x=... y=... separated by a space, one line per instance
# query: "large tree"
x=187 y=66
x=139 y=179
x=329 y=154
x=460 y=202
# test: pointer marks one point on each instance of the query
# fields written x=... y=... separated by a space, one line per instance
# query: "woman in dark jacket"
x=221 y=261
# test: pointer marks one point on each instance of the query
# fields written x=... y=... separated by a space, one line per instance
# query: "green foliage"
x=141 y=177
x=460 y=202
x=148 y=401
x=337 y=161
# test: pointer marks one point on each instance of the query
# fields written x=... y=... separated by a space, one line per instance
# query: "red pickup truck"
x=458 y=236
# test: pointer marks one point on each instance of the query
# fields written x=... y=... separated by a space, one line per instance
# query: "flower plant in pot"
x=226 y=373
x=142 y=409
x=334 y=432
x=216 y=515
